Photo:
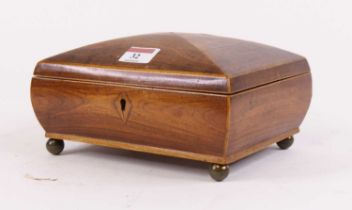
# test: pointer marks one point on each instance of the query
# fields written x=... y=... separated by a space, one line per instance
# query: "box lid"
x=180 y=61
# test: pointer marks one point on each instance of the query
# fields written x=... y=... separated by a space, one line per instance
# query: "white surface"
x=131 y=56
x=315 y=174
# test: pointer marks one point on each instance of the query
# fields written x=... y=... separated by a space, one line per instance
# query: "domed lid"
x=190 y=62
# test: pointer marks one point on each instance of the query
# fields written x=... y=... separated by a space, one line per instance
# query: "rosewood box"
x=193 y=96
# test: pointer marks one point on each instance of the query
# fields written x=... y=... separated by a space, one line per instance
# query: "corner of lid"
x=228 y=84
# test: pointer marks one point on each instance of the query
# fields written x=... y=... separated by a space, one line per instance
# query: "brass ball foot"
x=286 y=143
x=55 y=146
x=219 y=172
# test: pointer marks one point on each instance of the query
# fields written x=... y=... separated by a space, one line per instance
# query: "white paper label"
x=139 y=55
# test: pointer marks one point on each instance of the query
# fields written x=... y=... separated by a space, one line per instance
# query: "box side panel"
x=164 y=119
x=265 y=113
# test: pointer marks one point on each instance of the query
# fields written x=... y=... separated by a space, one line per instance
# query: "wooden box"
x=192 y=96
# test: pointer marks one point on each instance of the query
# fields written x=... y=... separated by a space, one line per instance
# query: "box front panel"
x=166 y=119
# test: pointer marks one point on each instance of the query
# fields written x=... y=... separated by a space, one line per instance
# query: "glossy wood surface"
x=141 y=148
x=206 y=127
x=194 y=62
x=268 y=111
x=167 y=119
x=202 y=97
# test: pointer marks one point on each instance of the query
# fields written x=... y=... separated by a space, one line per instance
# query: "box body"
x=182 y=121
x=206 y=116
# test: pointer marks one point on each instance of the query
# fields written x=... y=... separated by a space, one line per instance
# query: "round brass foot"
x=286 y=143
x=55 y=146
x=219 y=172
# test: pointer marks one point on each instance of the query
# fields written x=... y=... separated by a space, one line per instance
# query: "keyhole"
x=123 y=104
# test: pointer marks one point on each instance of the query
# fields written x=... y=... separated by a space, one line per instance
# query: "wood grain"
x=268 y=111
x=193 y=62
x=177 y=120
x=203 y=97
x=171 y=152
x=141 y=148
x=257 y=118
